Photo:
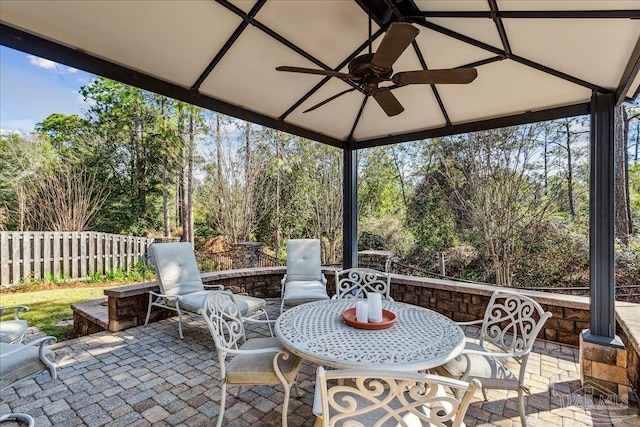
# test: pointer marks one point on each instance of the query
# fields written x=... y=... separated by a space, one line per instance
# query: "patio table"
x=419 y=339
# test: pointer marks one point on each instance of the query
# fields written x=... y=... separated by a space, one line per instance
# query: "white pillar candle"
x=362 y=311
x=374 y=300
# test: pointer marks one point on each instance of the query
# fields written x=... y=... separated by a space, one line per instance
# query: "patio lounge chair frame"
x=181 y=287
x=20 y=362
x=13 y=331
x=304 y=281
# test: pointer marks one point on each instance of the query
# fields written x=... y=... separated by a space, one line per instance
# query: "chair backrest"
x=391 y=398
x=512 y=322
x=176 y=268
x=356 y=282
x=303 y=260
x=222 y=315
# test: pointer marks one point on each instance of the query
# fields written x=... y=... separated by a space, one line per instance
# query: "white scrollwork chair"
x=20 y=362
x=509 y=328
x=304 y=281
x=257 y=361
x=356 y=282
x=181 y=287
x=13 y=331
x=367 y=398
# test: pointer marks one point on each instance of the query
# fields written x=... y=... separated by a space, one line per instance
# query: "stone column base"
x=603 y=365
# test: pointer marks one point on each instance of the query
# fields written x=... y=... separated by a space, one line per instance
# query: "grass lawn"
x=46 y=307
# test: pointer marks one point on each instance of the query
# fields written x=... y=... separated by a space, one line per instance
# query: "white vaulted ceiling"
x=222 y=55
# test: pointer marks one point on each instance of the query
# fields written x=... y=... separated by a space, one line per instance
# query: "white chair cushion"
x=489 y=370
x=303 y=260
x=258 y=368
x=176 y=268
x=11 y=330
x=194 y=301
x=21 y=364
x=302 y=292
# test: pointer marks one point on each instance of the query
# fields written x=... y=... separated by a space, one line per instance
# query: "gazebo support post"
x=350 y=208
x=603 y=358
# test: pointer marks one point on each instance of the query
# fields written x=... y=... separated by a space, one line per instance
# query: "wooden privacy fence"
x=65 y=255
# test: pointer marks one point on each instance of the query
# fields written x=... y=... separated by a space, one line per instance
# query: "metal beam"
x=350 y=208
x=516 y=58
x=230 y=41
x=493 y=5
x=629 y=75
x=534 y=14
x=434 y=89
x=514 y=120
x=602 y=218
x=29 y=43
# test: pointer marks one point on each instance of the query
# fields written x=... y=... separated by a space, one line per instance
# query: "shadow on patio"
x=148 y=376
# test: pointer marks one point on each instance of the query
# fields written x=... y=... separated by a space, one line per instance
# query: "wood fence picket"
x=65 y=255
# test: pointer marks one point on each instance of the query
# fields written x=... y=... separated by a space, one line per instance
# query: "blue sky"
x=33 y=88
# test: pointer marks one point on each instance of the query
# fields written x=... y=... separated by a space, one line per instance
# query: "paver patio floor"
x=148 y=376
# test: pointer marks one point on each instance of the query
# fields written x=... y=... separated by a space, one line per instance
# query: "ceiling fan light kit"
x=369 y=70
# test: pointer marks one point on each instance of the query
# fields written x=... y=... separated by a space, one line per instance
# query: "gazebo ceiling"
x=535 y=59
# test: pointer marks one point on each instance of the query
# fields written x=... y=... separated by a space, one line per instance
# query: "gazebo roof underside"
x=536 y=60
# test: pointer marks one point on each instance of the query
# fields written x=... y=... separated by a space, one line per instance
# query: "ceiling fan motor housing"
x=361 y=67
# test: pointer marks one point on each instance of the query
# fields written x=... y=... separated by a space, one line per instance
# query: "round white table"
x=420 y=338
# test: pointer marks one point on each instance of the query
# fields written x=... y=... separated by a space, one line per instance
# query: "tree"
x=21 y=162
x=66 y=199
x=495 y=196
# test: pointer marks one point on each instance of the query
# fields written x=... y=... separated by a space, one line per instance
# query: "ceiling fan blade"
x=388 y=102
x=398 y=37
x=328 y=73
x=446 y=76
x=329 y=99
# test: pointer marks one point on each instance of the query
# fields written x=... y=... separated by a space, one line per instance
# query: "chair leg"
x=523 y=414
x=238 y=391
x=17 y=416
x=146 y=322
x=285 y=405
x=223 y=399
x=298 y=392
x=179 y=320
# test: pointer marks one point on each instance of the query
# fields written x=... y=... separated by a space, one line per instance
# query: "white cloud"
x=72 y=70
x=21 y=127
x=42 y=63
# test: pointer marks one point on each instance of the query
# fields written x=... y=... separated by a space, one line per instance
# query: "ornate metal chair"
x=510 y=325
x=356 y=282
x=13 y=331
x=257 y=361
x=181 y=287
x=20 y=362
x=304 y=281
x=373 y=398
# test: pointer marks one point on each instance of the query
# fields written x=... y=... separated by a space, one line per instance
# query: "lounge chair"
x=20 y=362
x=181 y=287
x=13 y=331
x=304 y=281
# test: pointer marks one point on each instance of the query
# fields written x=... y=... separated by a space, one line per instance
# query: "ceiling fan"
x=368 y=70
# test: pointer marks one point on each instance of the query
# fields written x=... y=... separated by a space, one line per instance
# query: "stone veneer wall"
x=456 y=300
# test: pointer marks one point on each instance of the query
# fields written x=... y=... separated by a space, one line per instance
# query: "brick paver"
x=149 y=376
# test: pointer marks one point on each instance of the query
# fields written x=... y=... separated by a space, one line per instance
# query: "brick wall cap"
x=629 y=321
